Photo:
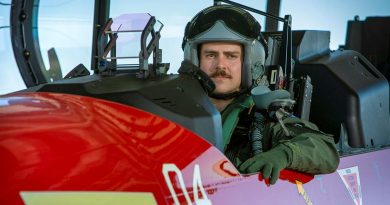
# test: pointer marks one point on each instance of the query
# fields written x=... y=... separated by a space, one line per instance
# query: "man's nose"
x=221 y=62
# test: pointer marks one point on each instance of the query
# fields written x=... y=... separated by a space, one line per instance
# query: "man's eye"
x=210 y=55
x=232 y=56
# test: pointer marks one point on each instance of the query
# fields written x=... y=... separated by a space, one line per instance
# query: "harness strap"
x=232 y=118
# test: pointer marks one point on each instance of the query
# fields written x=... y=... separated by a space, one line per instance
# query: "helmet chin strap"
x=227 y=96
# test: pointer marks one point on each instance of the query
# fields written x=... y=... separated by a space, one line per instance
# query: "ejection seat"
x=350 y=96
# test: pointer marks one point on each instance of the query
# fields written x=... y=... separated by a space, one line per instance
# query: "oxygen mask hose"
x=256 y=136
x=275 y=104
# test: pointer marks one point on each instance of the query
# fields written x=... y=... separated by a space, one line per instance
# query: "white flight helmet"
x=232 y=24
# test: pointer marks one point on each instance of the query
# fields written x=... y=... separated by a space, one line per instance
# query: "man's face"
x=222 y=62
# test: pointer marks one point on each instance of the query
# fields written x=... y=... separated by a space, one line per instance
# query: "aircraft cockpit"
x=126 y=50
x=101 y=108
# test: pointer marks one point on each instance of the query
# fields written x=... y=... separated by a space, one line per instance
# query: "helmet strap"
x=228 y=96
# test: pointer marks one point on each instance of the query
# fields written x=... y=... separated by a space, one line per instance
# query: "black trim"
x=273 y=7
x=25 y=44
x=101 y=15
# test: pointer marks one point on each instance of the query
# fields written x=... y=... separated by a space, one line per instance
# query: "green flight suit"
x=312 y=151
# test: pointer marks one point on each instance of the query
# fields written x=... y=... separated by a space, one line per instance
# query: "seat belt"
x=232 y=119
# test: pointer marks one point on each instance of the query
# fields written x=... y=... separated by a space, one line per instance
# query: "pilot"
x=225 y=43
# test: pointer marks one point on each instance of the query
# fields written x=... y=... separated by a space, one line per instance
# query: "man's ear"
x=194 y=71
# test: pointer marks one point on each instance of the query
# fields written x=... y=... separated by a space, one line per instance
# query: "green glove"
x=269 y=163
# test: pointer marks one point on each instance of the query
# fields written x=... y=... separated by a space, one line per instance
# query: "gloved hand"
x=269 y=163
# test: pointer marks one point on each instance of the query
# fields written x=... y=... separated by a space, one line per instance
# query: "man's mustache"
x=220 y=73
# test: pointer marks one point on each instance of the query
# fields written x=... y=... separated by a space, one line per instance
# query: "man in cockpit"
x=226 y=44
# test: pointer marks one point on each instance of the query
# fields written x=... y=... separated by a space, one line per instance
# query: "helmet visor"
x=236 y=19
